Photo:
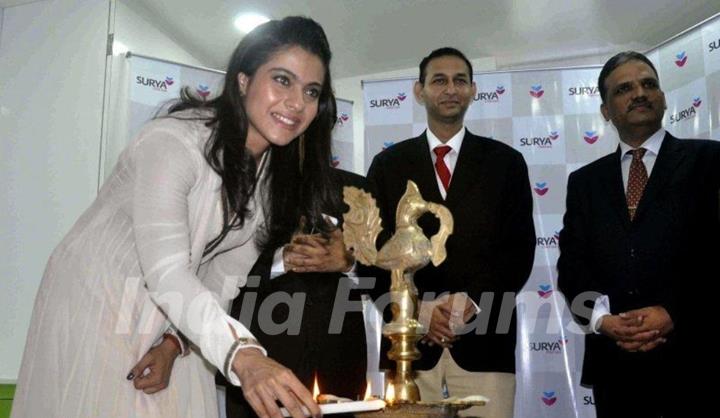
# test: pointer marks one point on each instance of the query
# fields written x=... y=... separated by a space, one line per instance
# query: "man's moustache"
x=639 y=104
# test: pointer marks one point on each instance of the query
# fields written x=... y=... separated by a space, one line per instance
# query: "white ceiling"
x=11 y=3
x=371 y=36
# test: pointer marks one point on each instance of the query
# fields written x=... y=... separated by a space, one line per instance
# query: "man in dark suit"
x=484 y=183
x=639 y=231
x=316 y=344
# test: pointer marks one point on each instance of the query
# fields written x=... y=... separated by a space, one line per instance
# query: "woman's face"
x=281 y=98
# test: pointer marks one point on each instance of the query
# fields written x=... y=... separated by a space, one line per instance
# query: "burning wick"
x=368 y=392
x=331 y=404
x=390 y=394
x=316 y=389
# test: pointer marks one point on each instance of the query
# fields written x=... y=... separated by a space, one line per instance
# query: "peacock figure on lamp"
x=407 y=251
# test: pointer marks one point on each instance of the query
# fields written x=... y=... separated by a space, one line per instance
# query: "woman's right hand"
x=265 y=382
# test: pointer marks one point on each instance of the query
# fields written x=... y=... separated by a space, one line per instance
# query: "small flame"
x=390 y=394
x=368 y=391
x=316 y=389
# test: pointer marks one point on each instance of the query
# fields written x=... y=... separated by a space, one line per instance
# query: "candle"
x=344 y=407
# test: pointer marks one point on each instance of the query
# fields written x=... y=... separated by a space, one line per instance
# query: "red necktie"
x=442 y=169
x=636 y=180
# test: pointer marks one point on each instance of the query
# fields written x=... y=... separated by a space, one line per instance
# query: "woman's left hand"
x=152 y=373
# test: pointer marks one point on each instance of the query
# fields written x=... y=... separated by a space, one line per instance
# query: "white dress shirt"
x=450 y=158
x=450 y=161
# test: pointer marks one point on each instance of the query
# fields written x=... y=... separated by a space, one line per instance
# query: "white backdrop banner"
x=553 y=118
x=152 y=84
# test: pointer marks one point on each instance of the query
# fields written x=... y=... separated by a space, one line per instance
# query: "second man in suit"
x=470 y=346
x=638 y=245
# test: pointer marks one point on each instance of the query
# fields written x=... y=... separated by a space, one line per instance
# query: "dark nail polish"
x=130 y=376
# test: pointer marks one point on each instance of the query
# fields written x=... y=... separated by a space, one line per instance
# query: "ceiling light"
x=249 y=21
x=119 y=48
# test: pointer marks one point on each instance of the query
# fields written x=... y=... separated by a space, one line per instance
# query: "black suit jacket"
x=338 y=360
x=491 y=251
x=661 y=258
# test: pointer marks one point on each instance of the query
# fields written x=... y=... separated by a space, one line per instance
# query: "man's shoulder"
x=697 y=144
x=347 y=178
x=602 y=164
x=490 y=144
x=400 y=150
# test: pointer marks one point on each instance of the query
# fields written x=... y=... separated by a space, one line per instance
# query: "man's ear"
x=417 y=90
x=664 y=100
x=604 y=111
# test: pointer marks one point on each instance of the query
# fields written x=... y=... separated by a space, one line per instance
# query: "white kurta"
x=137 y=247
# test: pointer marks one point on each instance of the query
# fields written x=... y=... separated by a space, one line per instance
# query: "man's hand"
x=437 y=323
x=638 y=330
x=444 y=317
x=655 y=325
x=152 y=373
x=265 y=382
x=315 y=253
x=459 y=308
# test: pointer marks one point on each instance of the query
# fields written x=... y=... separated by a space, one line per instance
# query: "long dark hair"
x=299 y=180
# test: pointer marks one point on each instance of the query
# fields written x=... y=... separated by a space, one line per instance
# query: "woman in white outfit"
x=172 y=236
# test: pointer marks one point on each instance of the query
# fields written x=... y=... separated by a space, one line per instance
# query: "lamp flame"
x=368 y=391
x=390 y=394
x=316 y=389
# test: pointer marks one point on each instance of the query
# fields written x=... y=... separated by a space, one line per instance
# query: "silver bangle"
x=233 y=348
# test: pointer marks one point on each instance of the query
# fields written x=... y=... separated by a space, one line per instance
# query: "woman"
x=173 y=234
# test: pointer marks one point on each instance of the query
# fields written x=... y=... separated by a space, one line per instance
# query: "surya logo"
x=687 y=113
x=388 y=103
x=342 y=118
x=159 y=85
x=588 y=400
x=537 y=91
x=591 y=137
x=545 y=290
x=541 y=188
x=549 y=397
x=549 y=347
x=549 y=242
x=169 y=81
x=713 y=46
x=492 y=96
x=335 y=161
x=387 y=144
x=487 y=96
x=203 y=90
x=540 y=141
x=584 y=91
x=681 y=59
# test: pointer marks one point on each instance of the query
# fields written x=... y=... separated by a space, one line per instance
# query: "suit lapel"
x=467 y=169
x=668 y=158
x=613 y=182
x=424 y=170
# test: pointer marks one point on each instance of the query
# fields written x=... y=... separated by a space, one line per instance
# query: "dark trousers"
x=638 y=398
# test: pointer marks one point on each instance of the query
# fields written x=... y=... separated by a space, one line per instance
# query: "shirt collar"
x=455 y=142
x=652 y=144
